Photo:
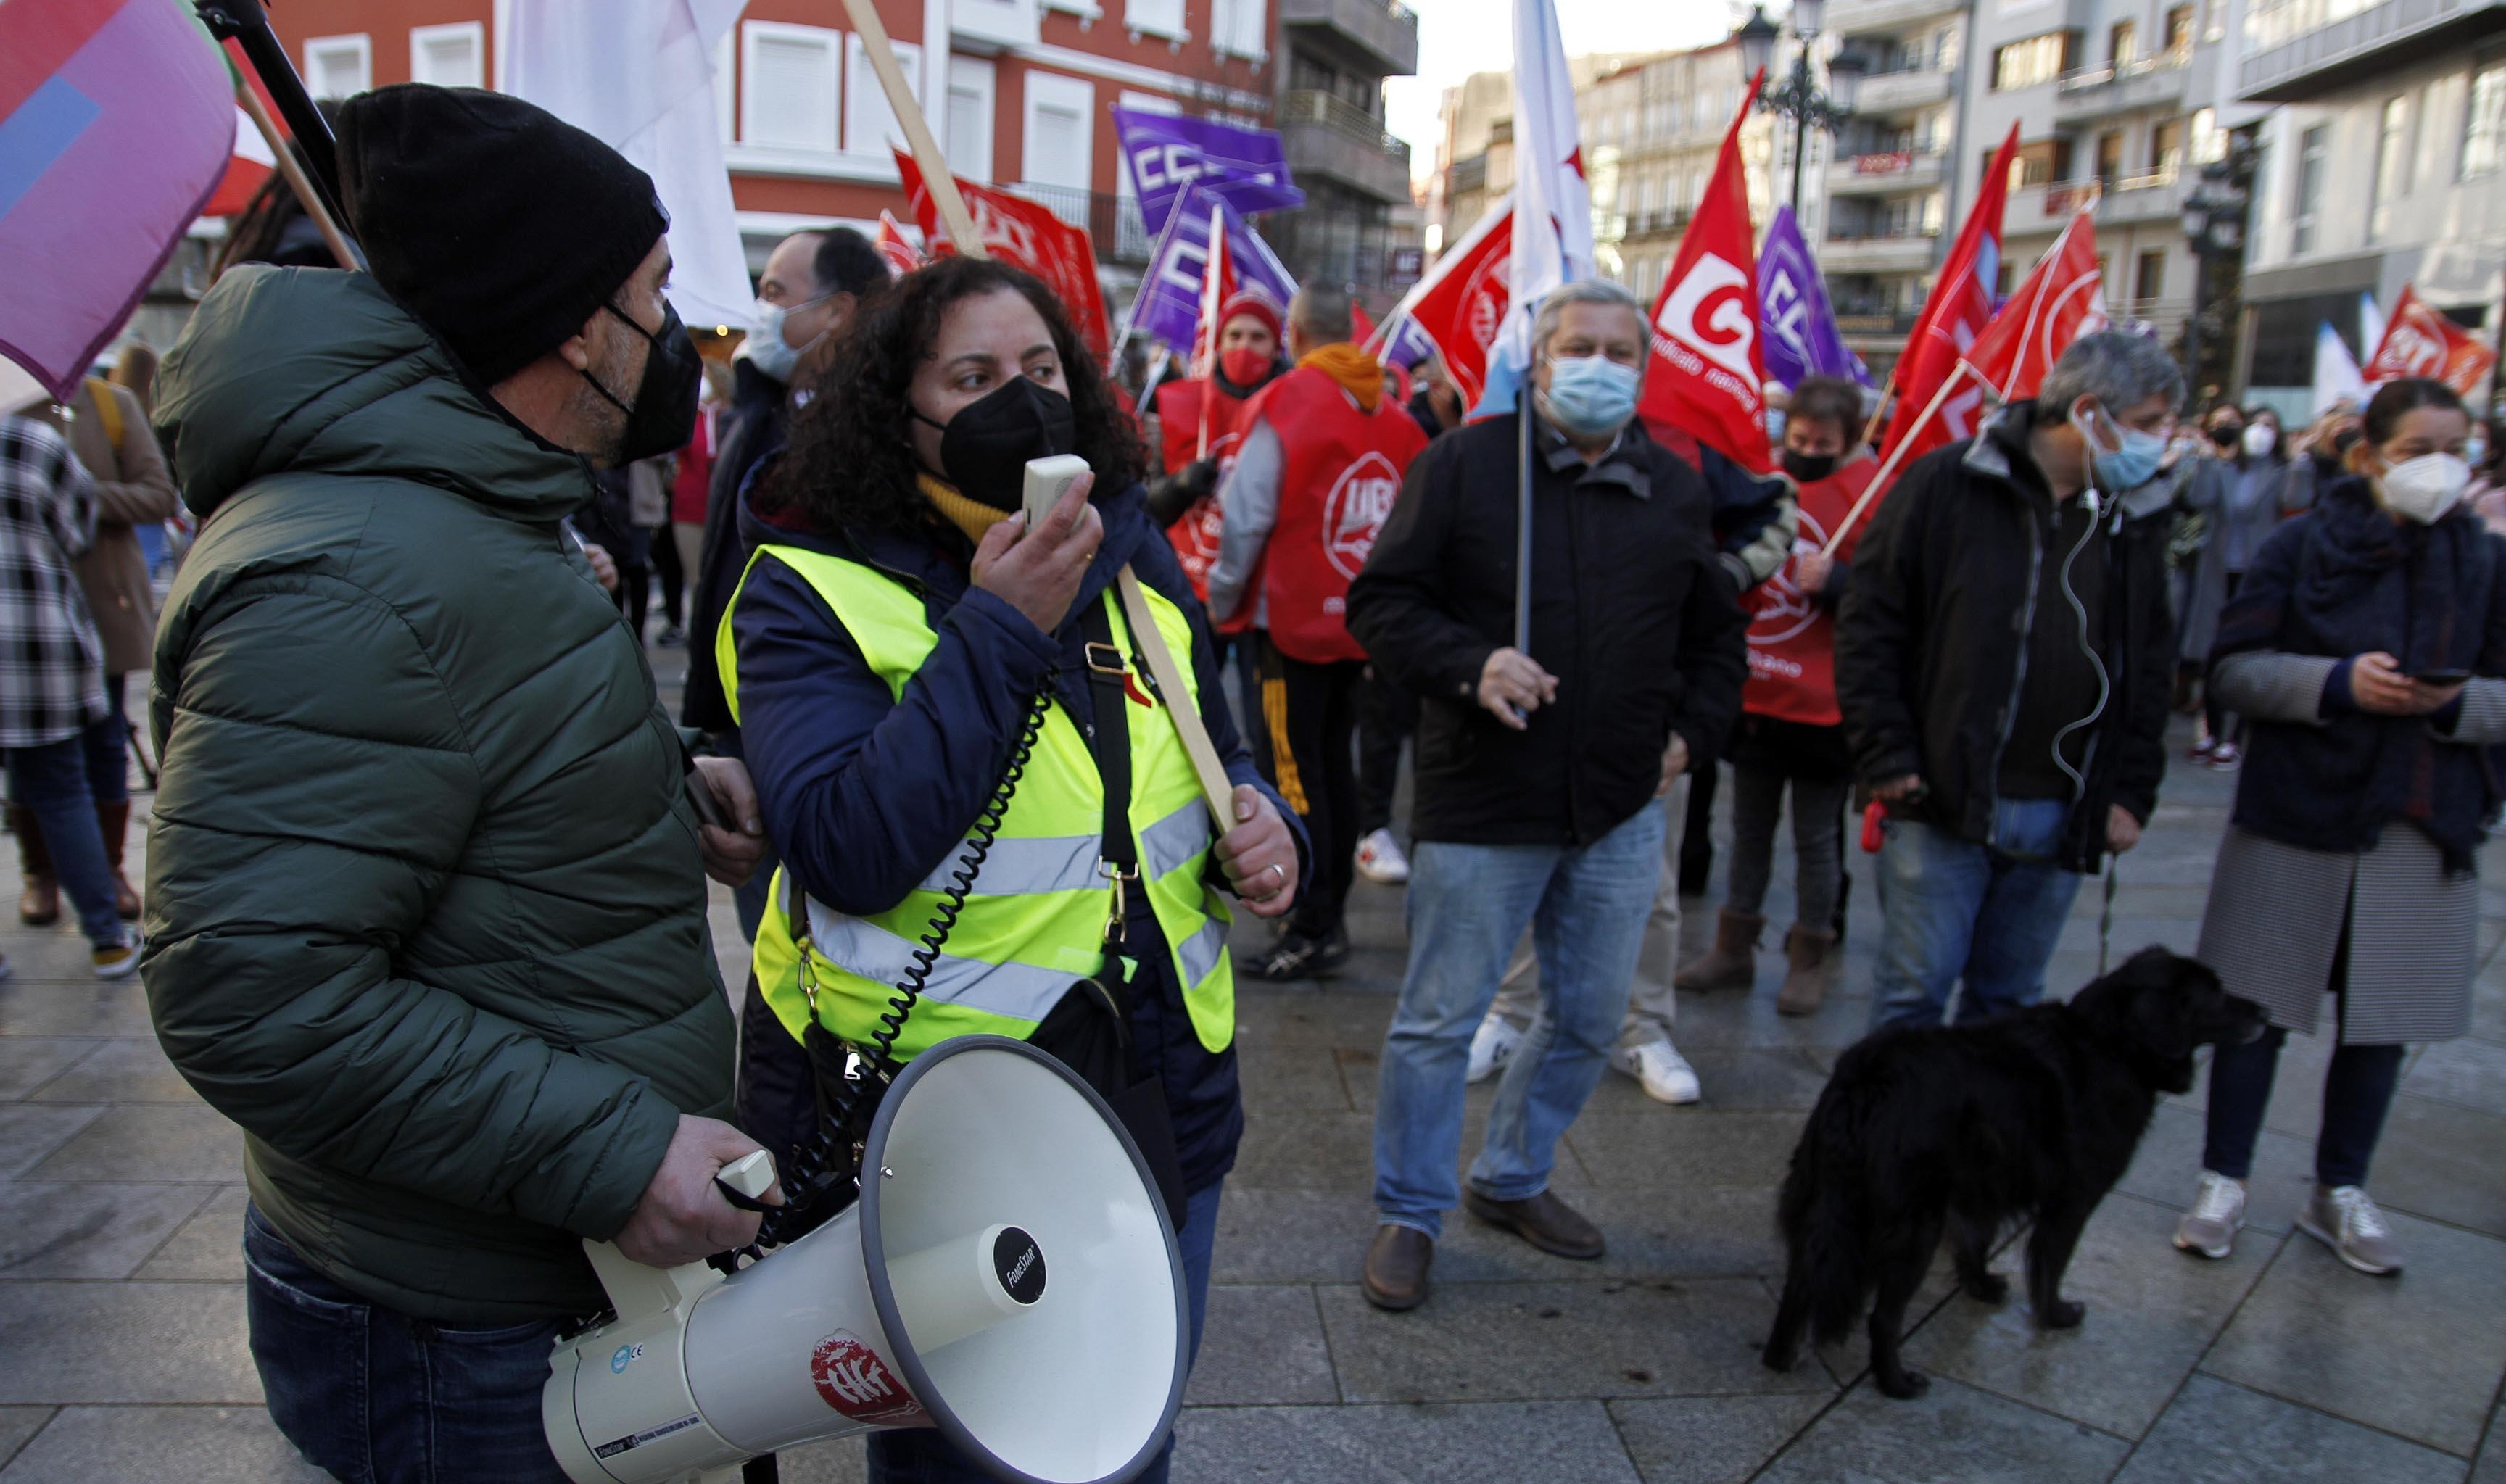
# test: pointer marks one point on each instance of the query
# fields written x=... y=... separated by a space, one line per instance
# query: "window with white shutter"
x=1059 y=147
x=793 y=87
x=339 y=67
x=870 y=123
x=1155 y=18
x=452 y=55
x=971 y=86
x=1241 y=26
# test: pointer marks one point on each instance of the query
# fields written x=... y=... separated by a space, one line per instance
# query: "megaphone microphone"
x=1008 y=1276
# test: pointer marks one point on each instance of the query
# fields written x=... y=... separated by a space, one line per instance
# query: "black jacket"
x=1931 y=639
x=1630 y=610
x=753 y=430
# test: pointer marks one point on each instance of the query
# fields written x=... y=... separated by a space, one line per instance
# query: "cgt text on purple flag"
x=1797 y=335
x=1167 y=154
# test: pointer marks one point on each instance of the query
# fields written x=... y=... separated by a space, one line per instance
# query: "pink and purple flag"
x=117 y=120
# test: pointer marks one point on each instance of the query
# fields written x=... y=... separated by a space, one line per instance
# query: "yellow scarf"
x=1353 y=367
x=972 y=516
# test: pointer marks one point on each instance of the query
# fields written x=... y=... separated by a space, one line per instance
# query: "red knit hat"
x=1252 y=302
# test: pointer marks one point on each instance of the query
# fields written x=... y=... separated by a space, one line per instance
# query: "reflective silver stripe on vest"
x=1200 y=952
x=1022 y=866
x=1175 y=838
x=1019 y=990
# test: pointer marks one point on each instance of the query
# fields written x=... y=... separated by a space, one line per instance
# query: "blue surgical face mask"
x=765 y=346
x=2129 y=467
x=1590 y=395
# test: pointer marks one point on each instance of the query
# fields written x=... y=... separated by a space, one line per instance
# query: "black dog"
x=2033 y=1114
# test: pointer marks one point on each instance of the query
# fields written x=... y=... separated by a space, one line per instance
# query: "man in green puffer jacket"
x=425 y=895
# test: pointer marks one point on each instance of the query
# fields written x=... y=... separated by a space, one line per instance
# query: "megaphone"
x=1008 y=1276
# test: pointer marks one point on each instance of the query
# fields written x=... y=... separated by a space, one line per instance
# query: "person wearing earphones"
x=2366 y=647
x=2002 y=658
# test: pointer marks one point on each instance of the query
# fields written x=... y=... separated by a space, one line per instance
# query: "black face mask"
x=2227 y=435
x=983 y=450
x=665 y=414
x=1809 y=468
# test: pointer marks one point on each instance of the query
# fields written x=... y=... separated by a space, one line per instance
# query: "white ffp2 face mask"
x=2424 y=488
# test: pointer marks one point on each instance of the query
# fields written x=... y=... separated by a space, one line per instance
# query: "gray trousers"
x=1819 y=843
x=1653 y=1008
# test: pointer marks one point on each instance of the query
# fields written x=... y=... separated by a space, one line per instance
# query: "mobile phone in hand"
x=1048 y=480
x=2441 y=677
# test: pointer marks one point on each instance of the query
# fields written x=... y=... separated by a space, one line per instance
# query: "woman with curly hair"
x=899 y=643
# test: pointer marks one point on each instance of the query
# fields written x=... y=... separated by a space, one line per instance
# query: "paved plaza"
x=122 y=1335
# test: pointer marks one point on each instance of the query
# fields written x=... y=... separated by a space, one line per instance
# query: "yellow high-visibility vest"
x=1034 y=922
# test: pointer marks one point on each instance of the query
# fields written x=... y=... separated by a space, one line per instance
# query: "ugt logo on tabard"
x=1354 y=511
x=1707 y=313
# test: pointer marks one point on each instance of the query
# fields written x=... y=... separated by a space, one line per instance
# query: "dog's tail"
x=1824 y=1217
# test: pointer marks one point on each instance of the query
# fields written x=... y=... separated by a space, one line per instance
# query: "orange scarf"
x=972 y=516
x=1353 y=369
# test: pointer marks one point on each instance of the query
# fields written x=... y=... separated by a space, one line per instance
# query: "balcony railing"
x=2094 y=92
x=1387 y=32
x=1329 y=135
x=1894 y=91
x=1112 y=222
x=1343 y=118
x=2298 y=51
x=1885 y=172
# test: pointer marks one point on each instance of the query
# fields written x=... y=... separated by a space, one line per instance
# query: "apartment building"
x=2385 y=164
x=1022 y=91
x=1895 y=168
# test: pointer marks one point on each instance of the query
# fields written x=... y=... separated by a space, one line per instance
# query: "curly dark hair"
x=851 y=463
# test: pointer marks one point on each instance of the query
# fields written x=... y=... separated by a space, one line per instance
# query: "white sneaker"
x=1666 y=1075
x=1379 y=859
x=2352 y=1225
x=2210 y=1224
x=1493 y=1045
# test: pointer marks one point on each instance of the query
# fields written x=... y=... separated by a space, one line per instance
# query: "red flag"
x=2418 y=341
x=1705 y=375
x=1025 y=235
x=1462 y=301
x=1361 y=325
x=252 y=161
x=902 y=256
x=2062 y=300
x=1955 y=314
x=1217 y=286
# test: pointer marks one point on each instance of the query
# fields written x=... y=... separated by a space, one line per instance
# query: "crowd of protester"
x=433 y=931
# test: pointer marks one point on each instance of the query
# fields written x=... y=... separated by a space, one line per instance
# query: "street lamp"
x=2213 y=228
x=1797 y=97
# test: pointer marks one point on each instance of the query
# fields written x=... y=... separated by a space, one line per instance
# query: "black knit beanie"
x=499 y=224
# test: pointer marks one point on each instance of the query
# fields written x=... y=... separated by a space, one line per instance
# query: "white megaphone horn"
x=1008 y=1276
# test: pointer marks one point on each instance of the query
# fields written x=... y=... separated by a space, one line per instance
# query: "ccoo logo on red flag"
x=1706 y=370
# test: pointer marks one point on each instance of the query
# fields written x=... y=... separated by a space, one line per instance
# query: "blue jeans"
x=376 y=1397
x=1468 y=904
x=920 y=1455
x=50 y=783
x=1951 y=907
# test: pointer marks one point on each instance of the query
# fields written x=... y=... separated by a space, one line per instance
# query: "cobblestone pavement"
x=122 y=1336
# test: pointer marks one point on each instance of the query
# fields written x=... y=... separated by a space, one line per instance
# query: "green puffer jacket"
x=425 y=909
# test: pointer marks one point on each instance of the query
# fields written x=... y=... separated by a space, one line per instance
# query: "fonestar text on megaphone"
x=1008 y=1276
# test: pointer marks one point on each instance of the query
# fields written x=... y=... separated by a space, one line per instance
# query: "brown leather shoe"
x=1396 y=1267
x=1733 y=962
x=1543 y=1221
x=112 y=820
x=1809 y=955
x=40 y=904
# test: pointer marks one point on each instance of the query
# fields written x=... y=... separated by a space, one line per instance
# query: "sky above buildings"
x=1459 y=37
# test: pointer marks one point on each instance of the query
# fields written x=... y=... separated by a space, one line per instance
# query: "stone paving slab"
x=1952 y=1435
x=93 y=1232
x=2219 y=1434
x=1263 y=1345
x=1440 y=1443
x=1709 y=1440
x=206 y=1249
x=71 y=1343
x=2418 y=1353
x=115 y=1445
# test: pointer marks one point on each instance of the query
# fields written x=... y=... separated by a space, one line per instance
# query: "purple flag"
x=1169 y=306
x=1168 y=311
x=1167 y=152
x=1798 y=333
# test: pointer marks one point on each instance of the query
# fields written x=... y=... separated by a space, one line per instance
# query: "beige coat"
x=133 y=488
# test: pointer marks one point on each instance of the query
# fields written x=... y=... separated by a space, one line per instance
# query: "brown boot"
x=1810 y=953
x=1396 y=1267
x=1733 y=962
x=113 y=819
x=39 y=907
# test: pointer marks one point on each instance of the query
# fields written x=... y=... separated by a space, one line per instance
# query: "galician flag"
x=1706 y=374
x=1552 y=206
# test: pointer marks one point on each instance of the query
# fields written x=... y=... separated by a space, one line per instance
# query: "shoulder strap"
x=108 y=411
x=1215 y=789
x=1110 y=737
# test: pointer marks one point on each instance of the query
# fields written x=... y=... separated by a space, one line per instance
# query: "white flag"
x=2336 y=372
x=1553 y=206
x=638 y=75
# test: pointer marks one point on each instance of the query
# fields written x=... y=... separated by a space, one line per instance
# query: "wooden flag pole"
x=936 y=179
x=297 y=180
x=1879 y=410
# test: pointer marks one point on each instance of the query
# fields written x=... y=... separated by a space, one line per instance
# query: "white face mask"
x=2259 y=440
x=2424 y=488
